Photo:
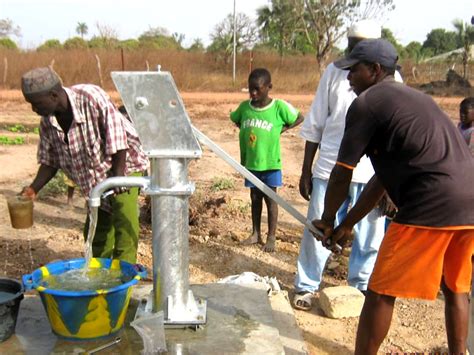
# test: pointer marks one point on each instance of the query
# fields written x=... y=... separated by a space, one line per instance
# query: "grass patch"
x=16 y=128
x=19 y=128
x=219 y=184
x=11 y=141
x=56 y=186
x=238 y=207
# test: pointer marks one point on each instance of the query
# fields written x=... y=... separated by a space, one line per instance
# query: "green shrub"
x=75 y=43
x=103 y=42
x=7 y=43
x=238 y=207
x=159 y=42
x=17 y=128
x=219 y=184
x=50 y=44
x=55 y=186
x=11 y=141
x=129 y=44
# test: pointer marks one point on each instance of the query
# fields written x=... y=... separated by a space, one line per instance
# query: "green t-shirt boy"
x=260 y=130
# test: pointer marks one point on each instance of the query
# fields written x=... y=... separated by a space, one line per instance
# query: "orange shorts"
x=412 y=260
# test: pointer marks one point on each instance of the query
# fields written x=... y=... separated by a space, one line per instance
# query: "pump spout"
x=117 y=181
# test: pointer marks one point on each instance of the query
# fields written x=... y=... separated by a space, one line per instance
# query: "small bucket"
x=11 y=294
x=21 y=211
x=80 y=315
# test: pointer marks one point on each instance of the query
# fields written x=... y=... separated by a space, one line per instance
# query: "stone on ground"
x=341 y=301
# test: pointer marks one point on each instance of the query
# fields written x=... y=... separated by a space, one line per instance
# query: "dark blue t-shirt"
x=416 y=151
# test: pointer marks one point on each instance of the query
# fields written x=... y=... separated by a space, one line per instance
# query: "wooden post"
x=123 y=61
x=413 y=72
x=147 y=65
x=99 y=69
x=5 y=70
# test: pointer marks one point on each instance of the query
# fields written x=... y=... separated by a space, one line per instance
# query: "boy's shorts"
x=412 y=261
x=271 y=178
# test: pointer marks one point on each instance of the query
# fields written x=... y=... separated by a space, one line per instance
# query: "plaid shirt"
x=97 y=132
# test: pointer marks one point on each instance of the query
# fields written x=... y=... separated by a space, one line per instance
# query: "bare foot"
x=270 y=244
x=253 y=239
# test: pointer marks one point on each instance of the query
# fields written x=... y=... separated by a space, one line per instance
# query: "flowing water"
x=93 y=279
x=86 y=278
x=93 y=212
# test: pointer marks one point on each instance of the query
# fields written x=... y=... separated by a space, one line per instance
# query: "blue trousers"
x=368 y=235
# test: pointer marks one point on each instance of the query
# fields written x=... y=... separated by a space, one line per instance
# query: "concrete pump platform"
x=240 y=320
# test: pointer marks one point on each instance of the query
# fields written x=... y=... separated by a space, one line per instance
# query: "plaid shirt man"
x=97 y=132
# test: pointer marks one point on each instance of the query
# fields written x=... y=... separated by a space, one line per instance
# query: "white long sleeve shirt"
x=325 y=123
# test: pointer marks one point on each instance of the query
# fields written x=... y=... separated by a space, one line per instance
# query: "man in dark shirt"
x=421 y=161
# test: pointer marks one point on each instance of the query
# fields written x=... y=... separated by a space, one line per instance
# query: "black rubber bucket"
x=11 y=294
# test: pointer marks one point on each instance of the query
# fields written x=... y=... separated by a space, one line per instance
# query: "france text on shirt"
x=254 y=122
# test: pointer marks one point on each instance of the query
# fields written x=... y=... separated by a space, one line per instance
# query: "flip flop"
x=303 y=300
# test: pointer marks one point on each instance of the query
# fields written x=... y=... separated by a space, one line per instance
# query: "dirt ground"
x=220 y=219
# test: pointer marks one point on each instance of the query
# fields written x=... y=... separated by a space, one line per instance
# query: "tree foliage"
x=129 y=44
x=103 y=42
x=278 y=27
x=155 y=32
x=8 y=28
x=197 y=46
x=388 y=35
x=439 y=41
x=75 y=43
x=324 y=20
x=107 y=38
x=50 y=44
x=315 y=25
x=414 y=51
x=223 y=35
x=7 y=43
x=160 y=38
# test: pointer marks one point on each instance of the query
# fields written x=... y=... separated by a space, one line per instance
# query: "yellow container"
x=21 y=211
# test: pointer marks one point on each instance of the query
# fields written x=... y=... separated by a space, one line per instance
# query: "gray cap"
x=39 y=81
x=372 y=51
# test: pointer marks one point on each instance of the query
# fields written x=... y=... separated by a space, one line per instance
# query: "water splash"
x=93 y=213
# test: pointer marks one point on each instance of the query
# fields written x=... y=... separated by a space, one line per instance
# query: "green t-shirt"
x=260 y=130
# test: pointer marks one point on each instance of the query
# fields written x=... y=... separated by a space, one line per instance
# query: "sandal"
x=303 y=300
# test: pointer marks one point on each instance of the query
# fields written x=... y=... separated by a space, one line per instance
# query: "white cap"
x=365 y=29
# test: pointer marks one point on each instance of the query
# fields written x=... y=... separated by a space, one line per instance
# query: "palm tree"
x=82 y=29
x=465 y=34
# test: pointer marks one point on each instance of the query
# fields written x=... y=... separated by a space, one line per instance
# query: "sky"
x=40 y=20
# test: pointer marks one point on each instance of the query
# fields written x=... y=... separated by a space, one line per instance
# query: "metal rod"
x=258 y=183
